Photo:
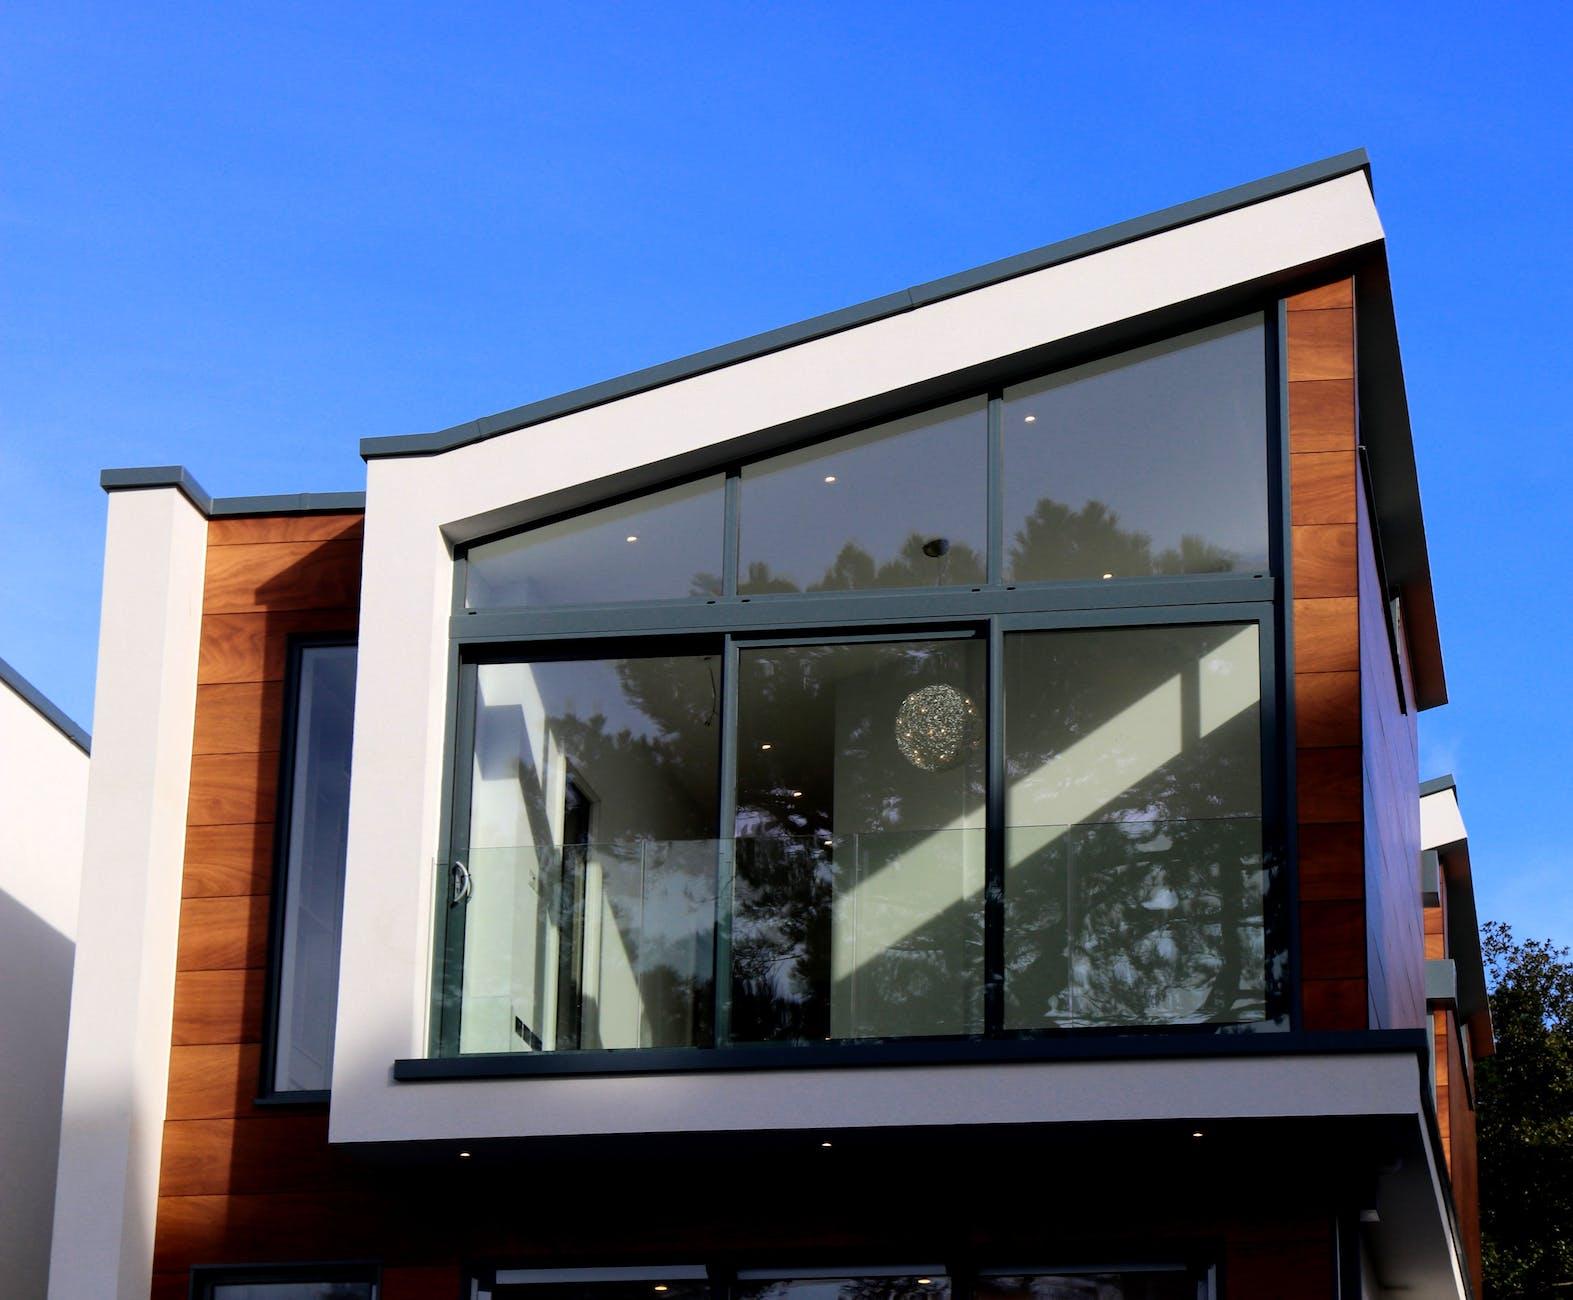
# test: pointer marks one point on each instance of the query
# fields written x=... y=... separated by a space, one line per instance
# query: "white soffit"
x=865 y=361
x=1441 y=822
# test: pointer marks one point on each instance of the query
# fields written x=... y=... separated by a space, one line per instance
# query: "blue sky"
x=243 y=237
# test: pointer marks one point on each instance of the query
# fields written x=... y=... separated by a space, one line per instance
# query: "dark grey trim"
x=45 y=707
x=1430 y=879
x=178 y=476
x=1437 y=784
x=204 y=1277
x=1184 y=1043
x=1097 y=241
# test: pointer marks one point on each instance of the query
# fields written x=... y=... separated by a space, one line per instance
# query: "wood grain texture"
x=1327 y=635
x=217 y=1006
x=1340 y=293
x=282 y=576
x=1332 y=860
x=213 y=1081
x=1333 y=935
x=1321 y=345
x=1334 y=1004
x=1325 y=561
x=265 y=1153
x=1329 y=781
x=223 y=933
x=284 y=528
x=254 y=647
x=1321 y=415
x=1327 y=709
x=1322 y=486
x=238 y=718
x=228 y=859
x=230 y=789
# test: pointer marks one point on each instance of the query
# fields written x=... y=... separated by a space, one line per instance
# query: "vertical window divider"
x=731 y=543
x=996 y=486
x=726 y=844
x=994 y=835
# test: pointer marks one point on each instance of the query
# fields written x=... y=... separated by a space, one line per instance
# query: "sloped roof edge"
x=1097 y=241
x=46 y=708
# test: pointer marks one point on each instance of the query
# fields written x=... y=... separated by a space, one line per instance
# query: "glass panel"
x=293 y=1291
x=1133 y=844
x=843 y=1288
x=1172 y=1284
x=900 y=505
x=315 y=848
x=858 y=896
x=592 y=855
x=1149 y=462
x=649 y=1290
x=661 y=546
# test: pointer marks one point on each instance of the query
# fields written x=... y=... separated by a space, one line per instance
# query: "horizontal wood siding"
x=268 y=578
x=1324 y=533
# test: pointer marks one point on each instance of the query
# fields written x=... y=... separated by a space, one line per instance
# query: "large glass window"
x=661 y=546
x=1148 y=462
x=888 y=767
x=592 y=855
x=313 y=836
x=857 y=908
x=286 y=1282
x=1133 y=808
x=900 y=505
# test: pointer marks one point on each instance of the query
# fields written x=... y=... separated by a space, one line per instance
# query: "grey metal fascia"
x=1441 y=982
x=1097 y=241
x=179 y=477
x=1437 y=784
x=1430 y=879
x=45 y=707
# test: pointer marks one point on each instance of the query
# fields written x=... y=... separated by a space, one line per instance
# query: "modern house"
x=43 y=801
x=920 y=803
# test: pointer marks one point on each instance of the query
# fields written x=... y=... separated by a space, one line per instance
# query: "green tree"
x=1524 y=1110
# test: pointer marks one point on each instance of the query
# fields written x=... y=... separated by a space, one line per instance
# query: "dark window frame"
x=987 y=610
x=204 y=1277
x=268 y=1093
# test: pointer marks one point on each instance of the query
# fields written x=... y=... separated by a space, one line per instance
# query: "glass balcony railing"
x=763 y=939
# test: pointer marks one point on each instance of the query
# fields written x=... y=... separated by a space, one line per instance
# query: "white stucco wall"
x=43 y=799
x=117 y=1057
x=395 y=809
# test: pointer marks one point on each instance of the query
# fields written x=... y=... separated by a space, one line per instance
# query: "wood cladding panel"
x=217 y=1006
x=1321 y=345
x=231 y=789
x=228 y=859
x=1322 y=487
x=239 y=1182
x=223 y=933
x=443 y=1282
x=1325 y=561
x=238 y=718
x=282 y=576
x=1327 y=710
x=1322 y=415
x=213 y=1080
x=285 y=528
x=1325 y=587
x=254 y=647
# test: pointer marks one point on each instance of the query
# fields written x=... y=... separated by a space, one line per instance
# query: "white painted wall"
x=117 y=1058
x=395 y=809
x=43 y=799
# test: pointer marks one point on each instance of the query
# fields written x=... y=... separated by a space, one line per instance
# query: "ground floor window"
x=286 y=1282
x=902 y=1282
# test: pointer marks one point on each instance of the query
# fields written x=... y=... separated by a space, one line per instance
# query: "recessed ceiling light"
x=797 y=794
x=1197 y=1133
x=830 y=478
x=766 y=745
x=925 y=1281
x=825 y=1146
x=1108 y=575
x=633 y=537
x=660 y=1286
x=1030 y=419
x=464 y=1155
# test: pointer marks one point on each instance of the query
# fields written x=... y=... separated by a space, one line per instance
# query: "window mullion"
x=994 y=837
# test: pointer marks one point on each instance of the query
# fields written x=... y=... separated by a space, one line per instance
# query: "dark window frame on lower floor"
x=990 y=611
x=268 y=1091
x=205 y=1277
x=722 y=1279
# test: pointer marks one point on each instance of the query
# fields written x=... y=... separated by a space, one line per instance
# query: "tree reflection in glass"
x=857 y=905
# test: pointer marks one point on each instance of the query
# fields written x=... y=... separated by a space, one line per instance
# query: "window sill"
x=1170 y=1045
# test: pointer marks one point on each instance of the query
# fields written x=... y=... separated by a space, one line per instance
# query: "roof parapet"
x=179 y=477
